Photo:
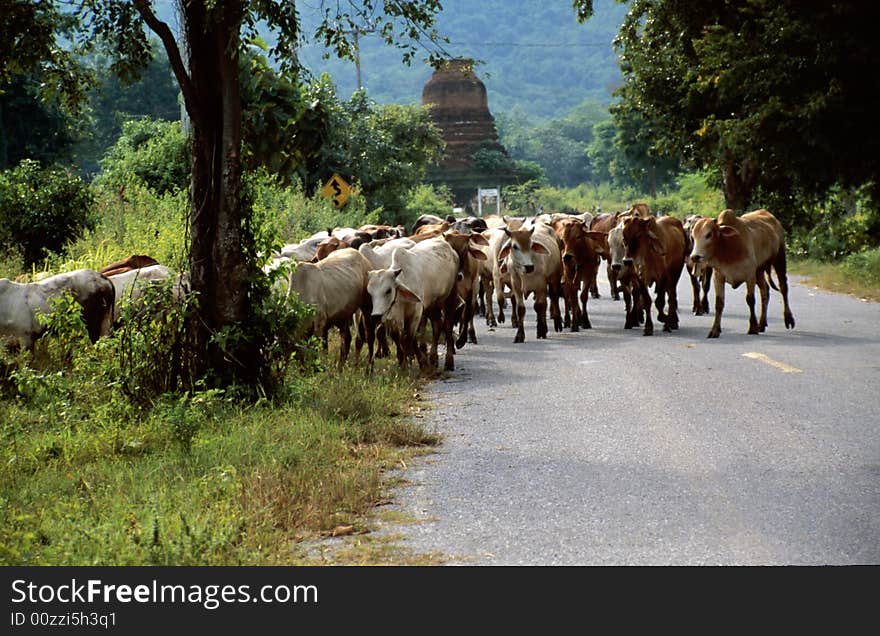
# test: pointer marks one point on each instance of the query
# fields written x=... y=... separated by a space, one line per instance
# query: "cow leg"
x=706 y=282
x=555 y=289
x=480 y=293
x=499 y=296
x=660 y=301
x=571 y=320
x=697 y=308
x=518 y=314
x=541 y=314
x=782 y=278
x=719 y=282
x=345 y=346
x=489 y=292
x=466 y=322
x=585 y=297
x=645 y=296
x=612 y=281
x=446 y=325
x=631 y=320
x=594 y=287
x=672 y=311
x=750 y=301
x=764 y=289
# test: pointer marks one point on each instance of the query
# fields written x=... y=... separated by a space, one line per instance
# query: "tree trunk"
x=218 y=265
x=738 y=182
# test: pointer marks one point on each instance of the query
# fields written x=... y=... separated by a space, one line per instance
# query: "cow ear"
x=396 y=271
x=477 y=254
x=727 y=231
x=504 y=250
x=537 y=248
x=479 y=239
x=405 y=293
x=504 y=268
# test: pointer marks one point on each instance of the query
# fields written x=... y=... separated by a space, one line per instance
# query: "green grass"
x=88 y=479
x=857 y=275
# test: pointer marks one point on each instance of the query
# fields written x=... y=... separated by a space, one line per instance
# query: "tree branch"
x=164 y=32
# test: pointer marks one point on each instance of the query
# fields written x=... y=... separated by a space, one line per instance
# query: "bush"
x=41 y=209
x=151 y=152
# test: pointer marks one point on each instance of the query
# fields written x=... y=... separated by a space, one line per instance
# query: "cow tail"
x=770 y=279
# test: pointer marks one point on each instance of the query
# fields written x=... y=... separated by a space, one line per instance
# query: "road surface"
x=605 y=447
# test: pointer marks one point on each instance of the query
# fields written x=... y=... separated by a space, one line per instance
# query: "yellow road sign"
x=337 y=189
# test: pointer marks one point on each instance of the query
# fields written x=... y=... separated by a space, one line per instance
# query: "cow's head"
x=385 y=289
x=710 y=239
x=641 y=239
x=521 y=249
x=616 y=248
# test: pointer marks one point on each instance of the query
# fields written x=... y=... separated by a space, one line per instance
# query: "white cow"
x=418 y=286
x=131 y=285
x=534 y=262
x=20 y=304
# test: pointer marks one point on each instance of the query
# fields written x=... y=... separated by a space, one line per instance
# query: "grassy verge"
x=88 y=479
x=857 y=275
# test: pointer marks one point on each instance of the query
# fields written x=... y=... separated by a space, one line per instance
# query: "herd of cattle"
x=392 y=284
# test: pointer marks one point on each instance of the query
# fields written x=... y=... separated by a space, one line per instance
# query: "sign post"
x=337 y=189
x=488 y=193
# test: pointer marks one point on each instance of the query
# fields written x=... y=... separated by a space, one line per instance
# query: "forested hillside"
x=535 y=55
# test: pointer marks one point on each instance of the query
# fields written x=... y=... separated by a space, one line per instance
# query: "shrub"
x=151 y=152
x=41 y=209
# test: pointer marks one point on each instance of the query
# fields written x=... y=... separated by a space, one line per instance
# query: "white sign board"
x=488 y=193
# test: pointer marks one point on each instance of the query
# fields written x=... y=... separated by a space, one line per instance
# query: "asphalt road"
x=606 y=447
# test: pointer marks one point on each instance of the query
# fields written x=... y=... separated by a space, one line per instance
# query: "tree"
x=222 y=267
x=778 y=98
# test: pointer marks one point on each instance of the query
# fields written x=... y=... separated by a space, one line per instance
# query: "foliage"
x=776 y=97
x=385 y=150
x=152 y=152
x=28 y=31
x=112 y=101
x=427 y=199
x=41 y=208
x=284 y=215
x=559 y=146
x=844 y=223
x=32 y=127
x=250 y=482
x=282 y=128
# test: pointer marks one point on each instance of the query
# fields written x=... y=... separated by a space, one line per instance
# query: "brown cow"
x=425 y=232
x=327 y=247
x=581 y=249
x=742 y=250
x=135 y=261
x=466 y=245
x=656 y=248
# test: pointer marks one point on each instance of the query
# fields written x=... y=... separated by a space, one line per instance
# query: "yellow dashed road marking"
x=785 y=368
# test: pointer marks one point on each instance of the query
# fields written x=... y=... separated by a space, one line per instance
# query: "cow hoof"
x=714 y=334
x=557 y=325
x=519 y=338
x=648 y=332
x=789 y=322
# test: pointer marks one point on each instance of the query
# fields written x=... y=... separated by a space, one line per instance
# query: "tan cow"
x=742 y=250
x=337 y=287
x=656 y=248
x=534 y=261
